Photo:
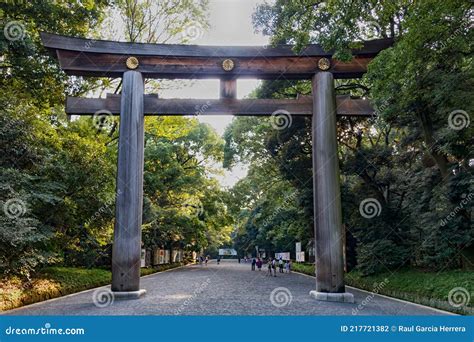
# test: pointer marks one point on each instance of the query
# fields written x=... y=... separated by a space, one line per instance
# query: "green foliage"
x=183 y=206
x=60 y=173
x=270 y=204
x=50 y=283
x=26 y=69
x=425 y=288
x=149 y=21
x=55 y=282
x=414 y=160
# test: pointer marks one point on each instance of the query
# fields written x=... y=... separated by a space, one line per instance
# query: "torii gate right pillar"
x=327 y=196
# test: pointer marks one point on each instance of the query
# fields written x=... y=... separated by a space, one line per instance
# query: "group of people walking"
x=272 y=264
x=203 y=260
x=284 y=266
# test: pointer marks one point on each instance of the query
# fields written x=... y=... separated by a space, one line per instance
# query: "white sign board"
x=283 y=255
x=300 y=256
x=298 y=247
x=227 y=251
x=161 y=256
x=176 y=255
x=142 y=258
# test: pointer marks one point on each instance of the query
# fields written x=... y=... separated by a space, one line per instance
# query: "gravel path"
x=226 y=289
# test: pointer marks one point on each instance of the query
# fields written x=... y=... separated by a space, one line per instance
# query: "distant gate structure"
x=134 y=62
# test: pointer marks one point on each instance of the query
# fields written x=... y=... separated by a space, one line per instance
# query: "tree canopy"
x=414 y=160
x=57 y=174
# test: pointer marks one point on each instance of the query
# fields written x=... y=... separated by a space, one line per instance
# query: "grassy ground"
x=54 y=282
x=427 y=288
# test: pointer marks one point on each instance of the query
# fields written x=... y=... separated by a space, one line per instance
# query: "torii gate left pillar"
x=128 y=212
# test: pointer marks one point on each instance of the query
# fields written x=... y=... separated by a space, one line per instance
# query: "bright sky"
x=231 y=24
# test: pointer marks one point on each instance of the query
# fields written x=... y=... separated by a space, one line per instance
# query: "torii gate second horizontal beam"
x=247 y=107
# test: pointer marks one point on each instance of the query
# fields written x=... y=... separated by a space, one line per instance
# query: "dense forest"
x=57 y=174
x=406 y=174
x=412 y=162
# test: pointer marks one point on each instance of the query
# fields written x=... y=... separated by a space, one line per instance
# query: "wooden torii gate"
x=134 y=62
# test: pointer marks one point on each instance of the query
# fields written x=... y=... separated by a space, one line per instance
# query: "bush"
x=55 y=282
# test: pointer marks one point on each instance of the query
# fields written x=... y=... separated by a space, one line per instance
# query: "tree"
x=184 y=204
x=413 y=162
x=34 y=130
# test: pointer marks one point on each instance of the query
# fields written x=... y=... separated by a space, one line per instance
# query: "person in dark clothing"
x=259 y=264
x=254 y=262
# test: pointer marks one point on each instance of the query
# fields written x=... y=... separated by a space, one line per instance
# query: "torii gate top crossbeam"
x=100 y=58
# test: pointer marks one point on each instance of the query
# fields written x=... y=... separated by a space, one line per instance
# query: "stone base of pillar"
x=344 y=297
x=129 y=294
